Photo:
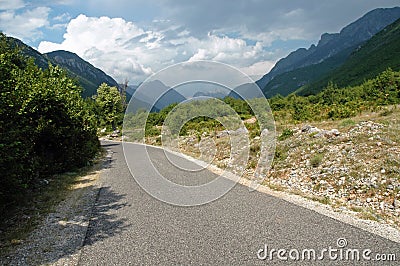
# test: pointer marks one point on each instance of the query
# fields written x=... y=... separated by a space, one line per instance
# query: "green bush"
x=152 y=131
x=46 y=126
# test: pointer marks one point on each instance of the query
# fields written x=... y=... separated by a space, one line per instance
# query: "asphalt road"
x=129 y=226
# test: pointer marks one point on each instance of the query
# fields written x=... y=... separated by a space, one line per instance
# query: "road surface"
x=129 y=226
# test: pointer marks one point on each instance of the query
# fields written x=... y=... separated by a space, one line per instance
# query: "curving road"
x=128 y=226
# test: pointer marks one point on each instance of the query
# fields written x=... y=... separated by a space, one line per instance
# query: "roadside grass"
x=20 y=220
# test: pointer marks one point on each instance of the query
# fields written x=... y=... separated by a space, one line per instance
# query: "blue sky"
x=132 y=39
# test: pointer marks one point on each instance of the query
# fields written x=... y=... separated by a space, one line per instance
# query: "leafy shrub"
x=152 y=131
x=46 y=126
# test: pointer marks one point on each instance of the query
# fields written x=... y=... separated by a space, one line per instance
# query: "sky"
x=132 y=39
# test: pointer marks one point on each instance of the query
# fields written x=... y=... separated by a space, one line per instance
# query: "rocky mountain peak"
x=330 y=44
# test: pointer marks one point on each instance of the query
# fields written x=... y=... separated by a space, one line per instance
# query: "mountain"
x=154 y=96
x=336 y=47
x=88 y=76
x=216 y=94
x=382 y=51
x=130 y=90
x=246 y=91
x=40 y=60
x=288 y=82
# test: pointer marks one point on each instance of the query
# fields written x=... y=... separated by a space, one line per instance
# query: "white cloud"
x=62 y=17
x=258 y=69
x=125 y=50
x=25 y=25
x=11 y=5
x=225 y=49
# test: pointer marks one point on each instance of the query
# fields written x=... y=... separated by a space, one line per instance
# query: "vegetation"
x=109 y=106
x=46 y=126
x=286 y=133
x=316 y=160
x=338 y=103
x=205 y=116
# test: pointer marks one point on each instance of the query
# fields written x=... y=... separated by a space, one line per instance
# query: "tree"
x=45 y=125
x=110 y=105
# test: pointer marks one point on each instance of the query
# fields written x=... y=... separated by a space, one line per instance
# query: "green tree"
x=110 y=105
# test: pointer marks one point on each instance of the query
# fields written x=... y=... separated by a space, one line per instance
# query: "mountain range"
x=382 y=51
x=305 y=66
x=88 y=76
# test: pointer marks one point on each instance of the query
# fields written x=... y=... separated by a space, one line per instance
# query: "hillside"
x=284 y=83
x=330 y=46
x=88 y=76
x=381 y=52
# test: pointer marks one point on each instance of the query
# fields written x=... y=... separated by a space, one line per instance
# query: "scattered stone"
x=222 y=133
x=250 y=120
x=317 y=133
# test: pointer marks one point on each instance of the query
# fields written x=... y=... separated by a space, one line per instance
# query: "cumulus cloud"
x=124 y=49
x=25 y=25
